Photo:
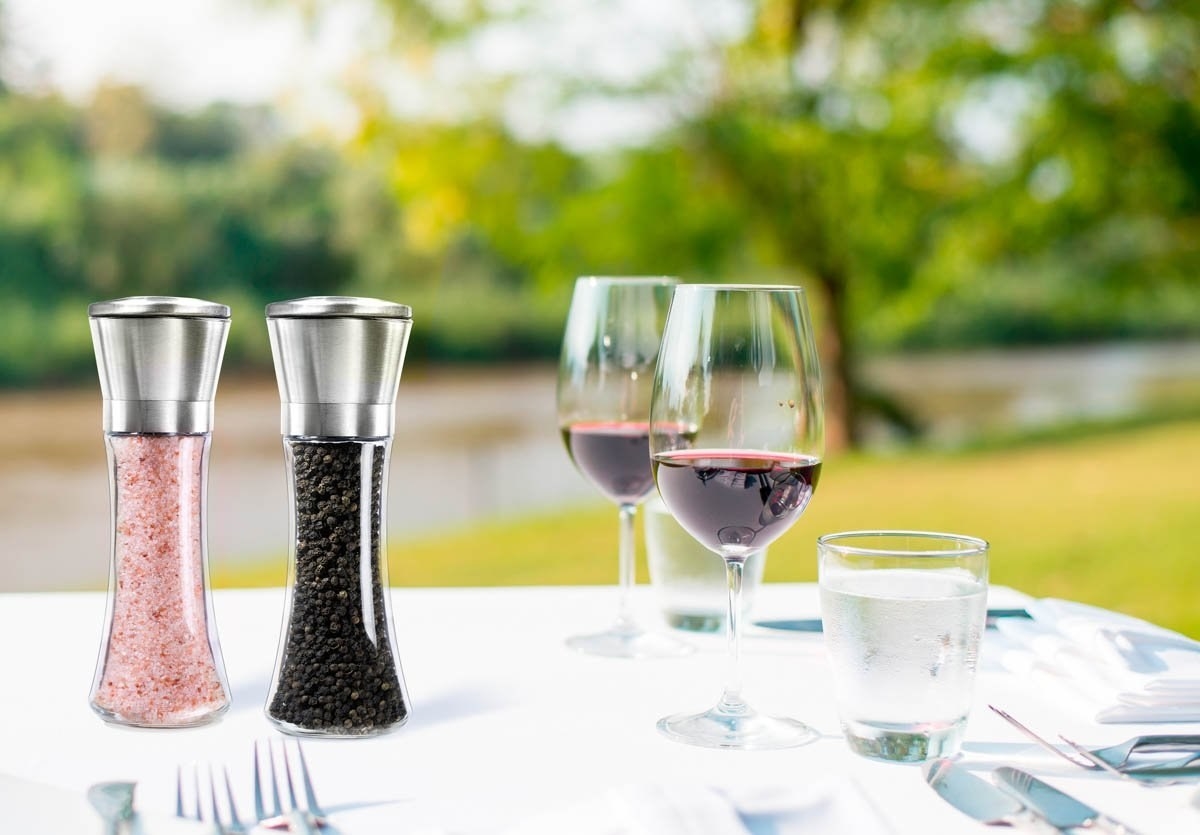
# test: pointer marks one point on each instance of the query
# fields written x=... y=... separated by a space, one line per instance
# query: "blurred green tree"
x=121 y=197
x=938 y=174
x=912 y=162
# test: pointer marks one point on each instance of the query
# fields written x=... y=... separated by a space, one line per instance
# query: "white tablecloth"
x=507 y=722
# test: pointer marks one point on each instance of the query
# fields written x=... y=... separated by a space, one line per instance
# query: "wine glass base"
x=630 y=643
x=746 y=730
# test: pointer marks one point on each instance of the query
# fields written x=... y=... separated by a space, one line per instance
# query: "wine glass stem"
x=626 y=567
x=731 y=699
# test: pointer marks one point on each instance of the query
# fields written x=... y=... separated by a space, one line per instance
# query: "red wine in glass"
x=730 y=499
x=737 y=364
x=614 y=456
x=605 y=375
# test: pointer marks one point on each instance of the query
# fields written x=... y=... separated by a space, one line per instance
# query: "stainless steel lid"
x=158 y=358
x=338 y=361
x=323 y=306
x=136 y=306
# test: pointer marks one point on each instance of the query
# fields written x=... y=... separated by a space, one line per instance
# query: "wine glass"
x=605 y=372
x=738 y=368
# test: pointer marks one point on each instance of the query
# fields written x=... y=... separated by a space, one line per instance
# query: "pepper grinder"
x=159 y=358
x=337 y=361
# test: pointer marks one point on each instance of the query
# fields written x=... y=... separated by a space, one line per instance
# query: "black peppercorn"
x=336 y=656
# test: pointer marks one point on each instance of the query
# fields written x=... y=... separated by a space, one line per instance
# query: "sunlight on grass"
x=1110 y=519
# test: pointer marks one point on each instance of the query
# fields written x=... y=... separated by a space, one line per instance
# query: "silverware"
x=1116 y=757
x=213 y=814
x=1162 y=774
x=814 y=624
x=306 y=820
x=214 y=802
x=979 y=799
x=114 y=802
x=310 y=797
x=1058 y=807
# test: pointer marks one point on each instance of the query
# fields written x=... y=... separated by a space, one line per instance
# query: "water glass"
x=689 y=585
x=903 y=613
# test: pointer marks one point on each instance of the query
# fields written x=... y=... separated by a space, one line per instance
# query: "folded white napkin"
x=1123 y=668
x=666 y=809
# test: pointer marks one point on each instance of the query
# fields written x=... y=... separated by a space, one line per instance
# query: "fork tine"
x=301 y=818
x=212 y=795
x=287 y=772
x=274 y=778
x=195 y=809
x=229 y=796
x=309 y=795
x=260 y=813
x=1086 y=763
x=235 y=825
x=269 y=775
x=196 y=794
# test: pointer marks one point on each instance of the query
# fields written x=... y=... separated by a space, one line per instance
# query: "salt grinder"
x=337 y=361
x=159 y=358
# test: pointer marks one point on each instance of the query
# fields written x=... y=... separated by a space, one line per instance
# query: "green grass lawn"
x=1107 y=517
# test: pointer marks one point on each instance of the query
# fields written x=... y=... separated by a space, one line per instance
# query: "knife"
x=814 y=624
x=1058 y=807
x=980 y=799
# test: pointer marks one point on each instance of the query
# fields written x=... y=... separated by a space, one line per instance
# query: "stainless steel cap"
x=158 y=358
x=338 y=361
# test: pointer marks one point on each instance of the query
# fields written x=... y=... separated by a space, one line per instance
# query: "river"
x=463 y=434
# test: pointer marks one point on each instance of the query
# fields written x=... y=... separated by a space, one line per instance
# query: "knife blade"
x=1057 y=806
x=979 y=799
x=814 y=624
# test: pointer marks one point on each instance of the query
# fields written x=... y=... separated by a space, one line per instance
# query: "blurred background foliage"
x=939 y=174
x=942 y=176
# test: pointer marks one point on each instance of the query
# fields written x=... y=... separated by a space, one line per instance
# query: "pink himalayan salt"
x=159 y=668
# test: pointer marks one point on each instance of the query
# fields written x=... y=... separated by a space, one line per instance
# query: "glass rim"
x=629 y=279
x=775 y=288
x=971 y=545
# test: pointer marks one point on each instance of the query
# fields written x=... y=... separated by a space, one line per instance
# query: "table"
x=506 y=721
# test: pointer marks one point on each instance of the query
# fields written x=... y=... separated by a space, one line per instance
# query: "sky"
x=187 y=53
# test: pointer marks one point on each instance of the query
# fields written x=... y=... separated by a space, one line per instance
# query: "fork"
x=212 y=815
x=306 y=820
x=1116 y=757
x=1158 y=775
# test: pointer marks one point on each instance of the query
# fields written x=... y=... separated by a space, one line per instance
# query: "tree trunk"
x=836 y=351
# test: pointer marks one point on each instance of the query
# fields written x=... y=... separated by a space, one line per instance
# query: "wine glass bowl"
x=735 y=502
x=738 y=368
x=613 y=456
x=606 y=370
